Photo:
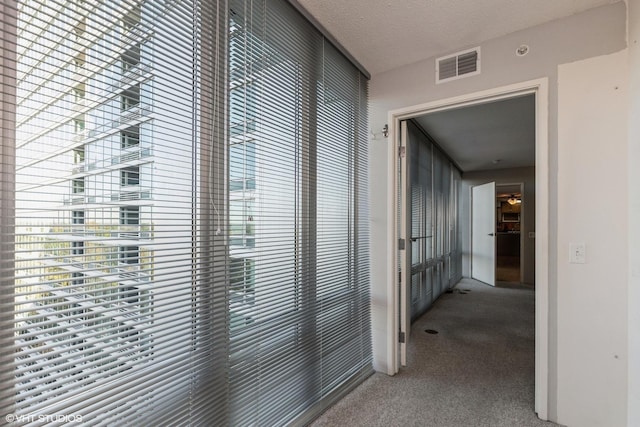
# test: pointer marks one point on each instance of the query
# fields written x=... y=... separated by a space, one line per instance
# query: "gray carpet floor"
x=478 y=370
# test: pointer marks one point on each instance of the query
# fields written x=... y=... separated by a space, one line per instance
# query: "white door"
x=404 y=242
x=483 y=233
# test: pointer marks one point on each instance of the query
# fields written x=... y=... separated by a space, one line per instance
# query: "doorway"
x=539 y=88
x=509 y=239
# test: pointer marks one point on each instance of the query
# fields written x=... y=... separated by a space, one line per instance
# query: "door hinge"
x=401 y=244
x=401 y=337
x=402 y=152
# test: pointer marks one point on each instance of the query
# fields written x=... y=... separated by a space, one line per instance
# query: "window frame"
x=130 y=176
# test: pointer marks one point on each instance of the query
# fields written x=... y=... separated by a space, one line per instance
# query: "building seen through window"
x=187 y=214
x=84 y=242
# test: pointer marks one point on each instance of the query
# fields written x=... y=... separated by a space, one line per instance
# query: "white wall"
x=527 y=176
x=634 y=214
x=592 y=209
x=382 y=290
x=592 y=33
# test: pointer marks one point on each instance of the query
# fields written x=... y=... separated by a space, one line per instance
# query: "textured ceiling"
x=384 y=34
x=494 y=135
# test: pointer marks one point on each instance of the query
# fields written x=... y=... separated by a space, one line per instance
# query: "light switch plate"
x=577 y=253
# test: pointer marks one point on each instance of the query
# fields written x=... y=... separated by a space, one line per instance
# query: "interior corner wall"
x=634 y=215
x=527 y=176
x=595 y=32
x=592 y=210
x=382 y=296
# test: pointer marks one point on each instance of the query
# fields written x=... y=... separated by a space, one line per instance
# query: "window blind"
x=300 y=306
x=119 y=282
x=184 y=214
x=434 y=188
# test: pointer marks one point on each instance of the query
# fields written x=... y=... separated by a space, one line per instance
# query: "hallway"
x=478 y=370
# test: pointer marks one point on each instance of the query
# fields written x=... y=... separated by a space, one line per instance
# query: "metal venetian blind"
x=119 y=312
x=299 y=301
x=421 y=215
x=436 y=263
x=456 y=252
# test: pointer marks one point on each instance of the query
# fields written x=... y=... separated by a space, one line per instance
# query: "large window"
x=130 y=176
x=130 y=58
x=130 y=137
x=242 y=222
x=80 y=61
x=130 y=215
x=130 y=97
x=79 y=92
x=77 y=217
x=297 y=220
x=242 y=288
x=184 y=232
x=77 y=186
x=435 y=253
x=129 y=255
x=79 y=124
x=242 y=166
x=78 y=155
x=132 y=17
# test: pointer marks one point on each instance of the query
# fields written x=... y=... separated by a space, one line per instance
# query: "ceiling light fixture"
x=512 y=200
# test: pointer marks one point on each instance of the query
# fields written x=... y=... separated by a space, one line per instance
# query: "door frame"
x=540 y=88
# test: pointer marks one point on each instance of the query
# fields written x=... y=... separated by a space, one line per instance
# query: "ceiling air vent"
x=458 y=65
